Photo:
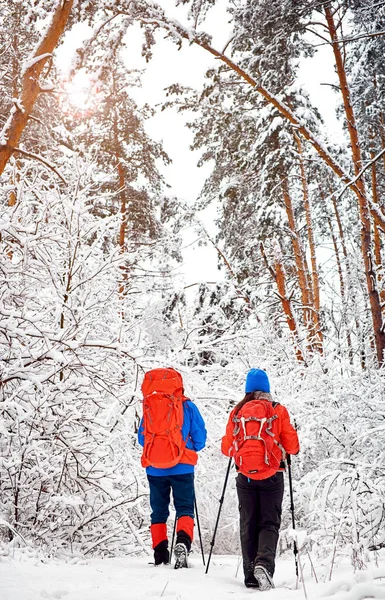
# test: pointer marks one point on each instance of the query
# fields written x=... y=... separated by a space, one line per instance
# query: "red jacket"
x=285 y=433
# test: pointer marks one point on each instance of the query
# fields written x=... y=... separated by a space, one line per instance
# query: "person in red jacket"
x=258 y=435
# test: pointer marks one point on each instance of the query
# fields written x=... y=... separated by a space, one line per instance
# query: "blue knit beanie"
x=257 y=381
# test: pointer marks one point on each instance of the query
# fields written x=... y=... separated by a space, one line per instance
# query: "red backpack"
x=162 y=418
x=255 y=445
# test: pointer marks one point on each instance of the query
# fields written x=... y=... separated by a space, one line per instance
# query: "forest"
x=91 y=242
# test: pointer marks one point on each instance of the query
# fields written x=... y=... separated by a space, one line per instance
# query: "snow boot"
x=248 y=570
x=180 y=553
x=264 y=578
x=182 y=549
x=161 y=553
x=250 y=581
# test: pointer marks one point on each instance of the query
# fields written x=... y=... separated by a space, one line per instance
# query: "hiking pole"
x=219 y=512
x=288 y=458
x=173 y=537
x=199 y=531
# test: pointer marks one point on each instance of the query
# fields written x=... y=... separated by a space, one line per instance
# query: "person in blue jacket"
x=178 y=478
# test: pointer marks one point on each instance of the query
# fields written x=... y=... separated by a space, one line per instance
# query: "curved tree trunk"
x=357 y=186
x=30 y=88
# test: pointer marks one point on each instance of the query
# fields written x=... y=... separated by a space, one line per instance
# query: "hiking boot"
x=248 y=571
x=161 y=554
x=264 y=578
x=250 y=581
x=180 y=553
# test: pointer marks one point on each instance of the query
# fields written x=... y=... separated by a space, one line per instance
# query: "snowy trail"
x=135 y=579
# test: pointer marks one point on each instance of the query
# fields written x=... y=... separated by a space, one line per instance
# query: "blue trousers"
x=182 y=487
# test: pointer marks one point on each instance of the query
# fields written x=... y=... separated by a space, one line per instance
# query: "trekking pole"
x=288 y=458
x=199 y=531
x=219 y=512
x=173 y=537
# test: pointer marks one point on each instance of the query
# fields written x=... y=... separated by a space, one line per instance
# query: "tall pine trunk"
x=366 y=235
x=123 y=227
x=302 y=269
x=311 y=240
x=377 y=235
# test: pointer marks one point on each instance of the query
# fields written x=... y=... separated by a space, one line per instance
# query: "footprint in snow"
x=53 y=595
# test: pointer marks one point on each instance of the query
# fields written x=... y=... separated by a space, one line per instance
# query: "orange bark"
x=278 y=274
x=357 y=186
x=30 y=88
x=300 y=261
x=282 y=108
x=366 y=237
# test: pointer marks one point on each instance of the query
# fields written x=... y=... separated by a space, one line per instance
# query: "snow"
x=35 y=59
x=18 y=104
x=127 y=578
x=47 y=87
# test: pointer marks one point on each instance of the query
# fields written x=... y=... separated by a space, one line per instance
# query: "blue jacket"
x=193 y=430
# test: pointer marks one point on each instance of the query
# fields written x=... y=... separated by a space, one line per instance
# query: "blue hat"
x=257 y=381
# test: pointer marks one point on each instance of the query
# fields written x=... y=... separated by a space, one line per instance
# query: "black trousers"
x=260 y=508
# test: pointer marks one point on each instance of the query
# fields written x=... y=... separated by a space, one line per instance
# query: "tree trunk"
x=310 y=233
x=301 y=266
x=279 y=276
x=123 y=226
x=357 y=187
x=366 y=237
x=342 y=289
x=348 y=268
x=377 y=236
x=282 y=108
x=30 y=87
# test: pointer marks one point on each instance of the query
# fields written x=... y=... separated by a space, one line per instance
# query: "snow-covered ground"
x=23 y=578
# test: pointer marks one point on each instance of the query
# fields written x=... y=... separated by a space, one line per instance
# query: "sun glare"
x=77 y=93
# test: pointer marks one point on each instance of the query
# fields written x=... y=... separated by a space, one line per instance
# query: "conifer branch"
x=202 y=40
x=377 y=214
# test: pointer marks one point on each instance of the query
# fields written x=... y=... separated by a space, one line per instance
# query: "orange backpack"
x=255 y=445
x=162 y=418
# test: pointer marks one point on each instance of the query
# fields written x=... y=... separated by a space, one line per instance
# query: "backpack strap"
x=241 y=422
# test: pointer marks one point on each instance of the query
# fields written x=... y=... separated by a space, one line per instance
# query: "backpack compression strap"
x=262 y=421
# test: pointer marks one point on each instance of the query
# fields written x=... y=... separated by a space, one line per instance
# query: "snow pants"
x=183 y=493
x=260 y=508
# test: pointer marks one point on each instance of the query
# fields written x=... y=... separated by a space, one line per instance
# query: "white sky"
x=187 y=67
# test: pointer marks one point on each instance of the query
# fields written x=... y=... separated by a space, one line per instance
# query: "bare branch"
x=42 y=160
x=353 y=39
